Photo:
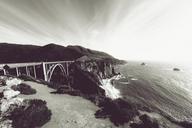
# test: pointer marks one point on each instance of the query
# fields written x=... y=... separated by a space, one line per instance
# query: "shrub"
x=2 y=82
x=27 y=78
x=34 y=113
x=68 y=90
x=1 y=95
x=24 y=89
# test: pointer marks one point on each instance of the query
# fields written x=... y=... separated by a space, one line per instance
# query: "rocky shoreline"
x=99 y=89
x=95 y=85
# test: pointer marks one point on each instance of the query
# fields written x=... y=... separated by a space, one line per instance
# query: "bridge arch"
x=52 y=69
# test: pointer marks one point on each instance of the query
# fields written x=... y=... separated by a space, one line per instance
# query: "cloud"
x=129 y=29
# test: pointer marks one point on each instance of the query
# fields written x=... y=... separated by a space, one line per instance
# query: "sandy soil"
x=68 y=111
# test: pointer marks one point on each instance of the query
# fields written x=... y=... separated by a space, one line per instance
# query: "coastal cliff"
x=86 y=79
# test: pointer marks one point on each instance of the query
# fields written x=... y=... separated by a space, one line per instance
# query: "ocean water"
x=157 y=86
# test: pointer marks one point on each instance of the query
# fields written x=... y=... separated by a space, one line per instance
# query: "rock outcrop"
x=85 y=81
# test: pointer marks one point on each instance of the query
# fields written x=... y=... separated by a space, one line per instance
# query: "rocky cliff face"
x=87 y=82
x=101 y=68
x=85 y=79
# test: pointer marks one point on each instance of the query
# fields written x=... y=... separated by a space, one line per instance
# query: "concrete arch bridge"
x=40 y=70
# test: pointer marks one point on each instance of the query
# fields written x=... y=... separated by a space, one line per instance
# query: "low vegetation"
x=27 y=78
x=33 y=113
x=24 y=89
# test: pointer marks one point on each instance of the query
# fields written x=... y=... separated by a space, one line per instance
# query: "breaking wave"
x=110 y=90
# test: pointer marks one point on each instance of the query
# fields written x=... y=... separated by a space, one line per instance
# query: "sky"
x=159 y=30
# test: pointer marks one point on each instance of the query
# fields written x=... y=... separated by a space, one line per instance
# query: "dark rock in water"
x=24 y=89
x=146 y=122
x=143 y=63
x=33 y=114
x=176 y=69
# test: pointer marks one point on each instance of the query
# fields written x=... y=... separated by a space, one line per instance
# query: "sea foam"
x=110 y=90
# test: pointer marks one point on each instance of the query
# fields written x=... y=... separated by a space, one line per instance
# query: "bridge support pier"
x=35 y=75
x=27 y=72
x=44 y=72
x=67 y=69
x=4 y=72
x=17 y=71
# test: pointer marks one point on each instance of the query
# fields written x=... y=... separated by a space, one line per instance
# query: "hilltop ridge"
x=17 y=53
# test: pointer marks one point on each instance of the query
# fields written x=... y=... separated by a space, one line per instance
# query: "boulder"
x=176 y=69
x=9 y=104
x=13 y=81
x=9 y=93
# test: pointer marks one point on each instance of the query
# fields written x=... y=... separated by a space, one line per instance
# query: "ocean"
x=159 y=87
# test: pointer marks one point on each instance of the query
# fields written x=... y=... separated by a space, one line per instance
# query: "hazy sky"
x=128 y=29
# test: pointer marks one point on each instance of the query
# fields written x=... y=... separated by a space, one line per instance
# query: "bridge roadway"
x=31 y=68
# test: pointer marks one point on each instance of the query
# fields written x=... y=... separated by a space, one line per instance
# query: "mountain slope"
x=15 y=53
x=10 y=53
x=89 y=52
